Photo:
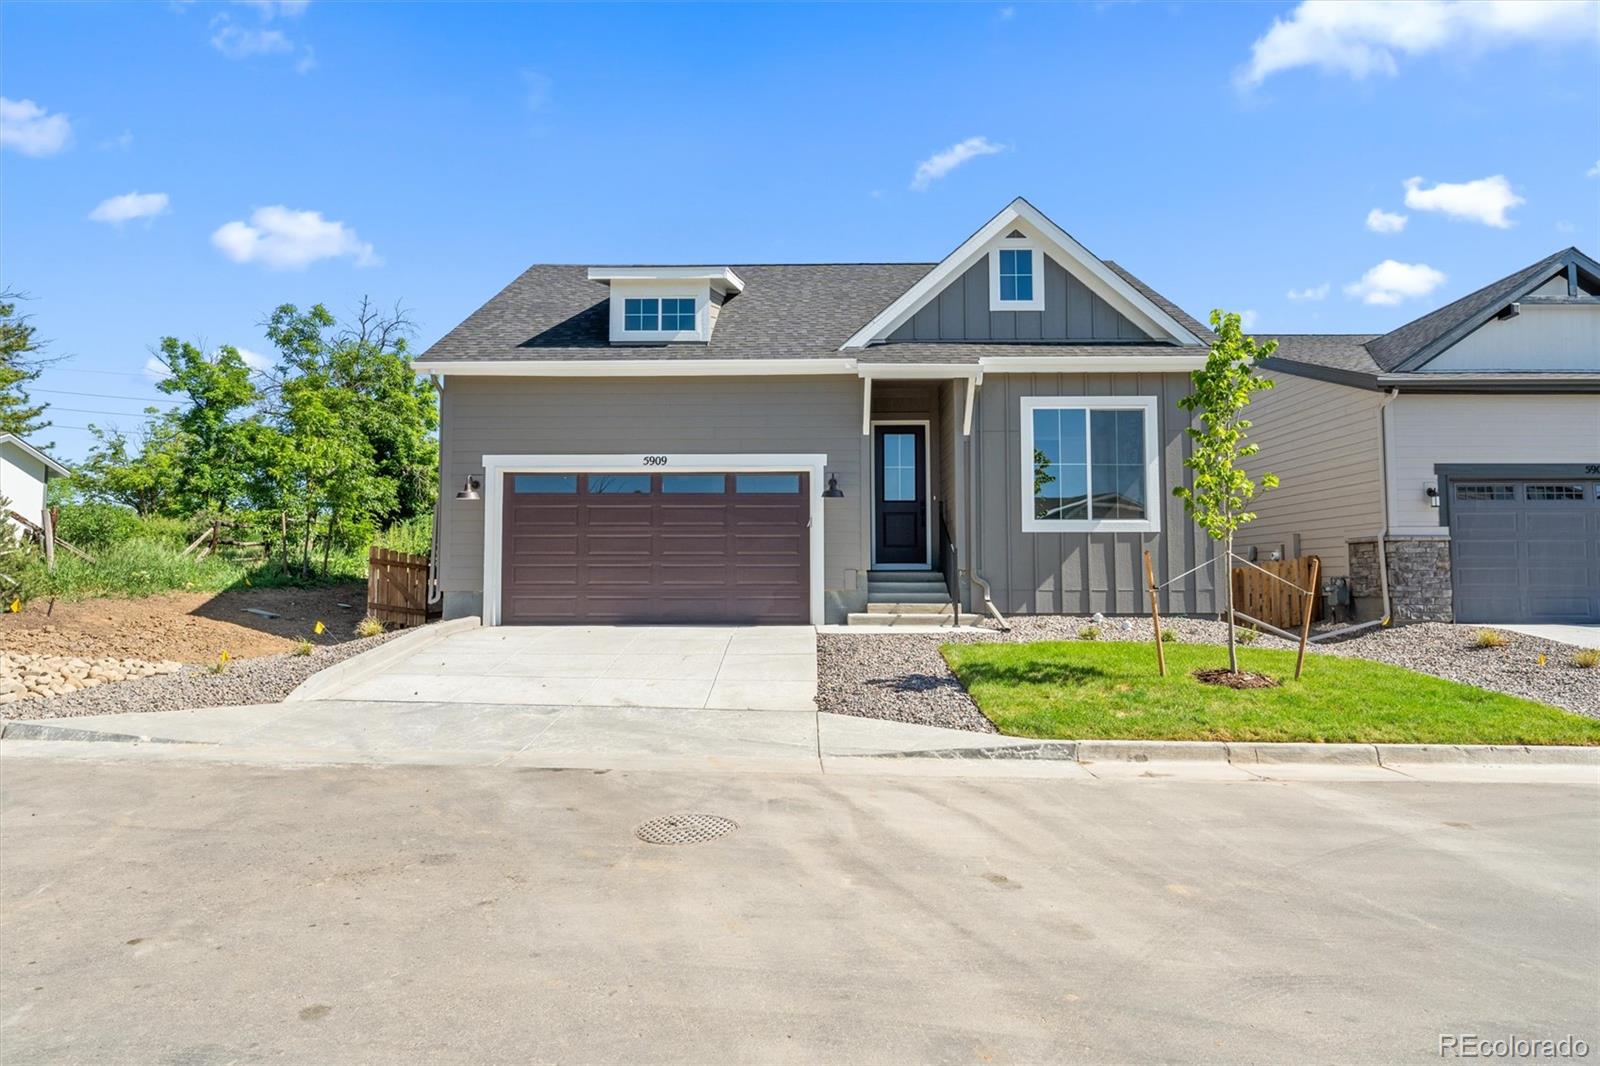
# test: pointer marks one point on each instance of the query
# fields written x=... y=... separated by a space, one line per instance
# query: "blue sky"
x=1228 y=154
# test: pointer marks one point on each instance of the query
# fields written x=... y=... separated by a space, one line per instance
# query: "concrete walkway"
x=759 y=668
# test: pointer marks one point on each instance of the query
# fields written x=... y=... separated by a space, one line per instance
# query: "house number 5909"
x=655 y=460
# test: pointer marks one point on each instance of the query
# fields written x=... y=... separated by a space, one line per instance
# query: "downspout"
x=435 y=593
x=968 y=506
x=1383 y=534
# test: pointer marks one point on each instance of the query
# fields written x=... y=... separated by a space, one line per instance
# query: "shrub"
x=302 y=647
x=414 y=535
x=1246 y=636
x=1587 y=659
x=369 y=627
x=1170 y=636
x=1490 y=638
x=1089 y=633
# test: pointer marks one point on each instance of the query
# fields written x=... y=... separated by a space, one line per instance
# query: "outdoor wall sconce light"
x=470 y=491
x=1433 y=496
x=833 y=491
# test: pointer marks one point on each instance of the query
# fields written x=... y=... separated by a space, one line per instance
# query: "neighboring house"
x=1471 y=437
x=787 y=443
x=24 y=471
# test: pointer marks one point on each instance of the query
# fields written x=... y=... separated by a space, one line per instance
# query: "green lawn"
x=1111 y=691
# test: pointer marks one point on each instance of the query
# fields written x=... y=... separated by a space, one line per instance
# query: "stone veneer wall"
x=1419 y=577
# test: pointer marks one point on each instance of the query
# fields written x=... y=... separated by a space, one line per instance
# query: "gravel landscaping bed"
x=902 y=677
x=267 y=679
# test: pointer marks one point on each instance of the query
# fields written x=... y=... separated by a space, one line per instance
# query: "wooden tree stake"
x=1155 y=613
x=1305 y=620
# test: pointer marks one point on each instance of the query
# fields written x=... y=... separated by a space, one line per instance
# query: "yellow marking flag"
x=319 y=628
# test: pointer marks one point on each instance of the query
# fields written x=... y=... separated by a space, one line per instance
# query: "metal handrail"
x=949 y=564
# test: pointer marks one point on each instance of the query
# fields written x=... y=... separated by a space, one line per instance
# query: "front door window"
x=900 y=504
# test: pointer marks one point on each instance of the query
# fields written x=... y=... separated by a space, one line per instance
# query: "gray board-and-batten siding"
x=1080 y=573
x=1071 y=313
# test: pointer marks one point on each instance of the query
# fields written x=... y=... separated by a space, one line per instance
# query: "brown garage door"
x=614 y=548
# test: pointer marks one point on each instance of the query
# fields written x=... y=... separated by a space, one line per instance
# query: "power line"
x=93 y=411
x=104 y=396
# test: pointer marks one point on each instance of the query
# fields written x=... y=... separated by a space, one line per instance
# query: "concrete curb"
x=37 y=731
x=1263 y=754
x=323 y=683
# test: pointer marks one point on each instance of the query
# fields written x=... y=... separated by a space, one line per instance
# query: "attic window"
x=642 y=316
x=1016 y=282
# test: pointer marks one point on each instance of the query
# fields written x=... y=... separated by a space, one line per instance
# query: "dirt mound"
x=1235 y=679
x=190 y=627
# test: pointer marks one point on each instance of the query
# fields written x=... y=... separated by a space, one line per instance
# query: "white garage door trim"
x=496 y=467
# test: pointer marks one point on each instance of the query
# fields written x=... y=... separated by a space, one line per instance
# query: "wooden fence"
x=397 y=587
x=1275 y=603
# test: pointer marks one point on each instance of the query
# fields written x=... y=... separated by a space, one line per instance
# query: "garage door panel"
x=585 y=555
x=1526 y=552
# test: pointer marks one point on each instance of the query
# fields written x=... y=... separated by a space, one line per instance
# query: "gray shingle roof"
x=786 y=311
x=1372 y=355
x=1395 y=347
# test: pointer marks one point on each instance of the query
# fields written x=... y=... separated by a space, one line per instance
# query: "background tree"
x=213 y=463
x=20 y=365
x=1222 y=491
x=140 y=474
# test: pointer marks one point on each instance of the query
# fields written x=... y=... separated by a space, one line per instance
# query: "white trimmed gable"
x=1539 y=338
x=1023 y=225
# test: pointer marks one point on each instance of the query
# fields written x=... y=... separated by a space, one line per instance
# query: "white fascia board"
x=24 y=446
x=633 y=368
x=919 y=370
x=1091 y=364
x=1058 y=243
x=722 y=277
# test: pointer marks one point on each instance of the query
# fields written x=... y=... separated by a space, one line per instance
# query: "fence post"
x=1305 y=620
x=49 y=539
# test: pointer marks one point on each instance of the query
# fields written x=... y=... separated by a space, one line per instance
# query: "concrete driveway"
x=1582 y=636
x=723 y=667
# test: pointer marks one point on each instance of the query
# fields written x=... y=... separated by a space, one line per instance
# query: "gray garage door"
x=1525 y=551
x=621 y=548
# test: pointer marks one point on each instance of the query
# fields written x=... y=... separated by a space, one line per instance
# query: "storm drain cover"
x=684 y=829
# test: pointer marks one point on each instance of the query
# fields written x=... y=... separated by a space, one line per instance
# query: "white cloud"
x=939 y=164
x=1363 y=37
x=236 y=42
x=283 y=239
x=1248 y=319
x=1390 y=282
x=255 y=360
x=155 y=369
x=307 y=61
x=269 y=9
x=1485 y=200
x=1380 y=221
x=129 y=206
x=1309 y=294
x=1007 y=13
x=1564 y=226
x=1593 y=172
x=30 y=129
x=121 y=142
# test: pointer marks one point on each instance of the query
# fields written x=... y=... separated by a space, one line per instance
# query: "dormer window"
x=641 y=316
x=666 y=305
x=1016 y=282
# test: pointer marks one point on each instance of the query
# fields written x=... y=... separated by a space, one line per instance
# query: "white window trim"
x=927 y=492
x=657 y=335
x=1152 y=465
x=496 y=467
x=1016 y=244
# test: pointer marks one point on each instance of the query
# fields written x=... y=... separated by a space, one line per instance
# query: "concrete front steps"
x=910 y=599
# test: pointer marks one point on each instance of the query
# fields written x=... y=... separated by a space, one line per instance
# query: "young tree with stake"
x=1220 y=497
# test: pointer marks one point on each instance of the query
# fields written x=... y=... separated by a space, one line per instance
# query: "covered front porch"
x=913 y=502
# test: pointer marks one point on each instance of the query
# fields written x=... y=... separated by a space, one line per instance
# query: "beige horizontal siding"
x=1323 y=442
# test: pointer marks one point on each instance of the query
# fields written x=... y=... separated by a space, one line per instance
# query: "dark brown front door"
x=623 y=548
x=900 y=496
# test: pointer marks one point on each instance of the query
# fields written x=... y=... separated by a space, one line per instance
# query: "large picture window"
x=1090 y=463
